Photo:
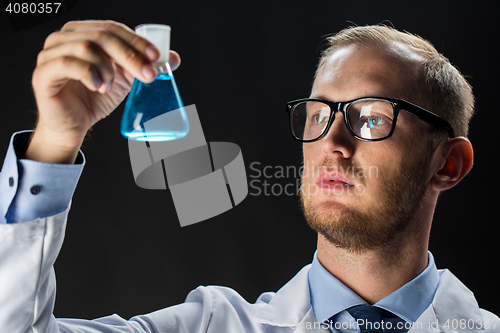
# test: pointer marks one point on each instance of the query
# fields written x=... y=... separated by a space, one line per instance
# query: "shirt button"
x=35 y=190
x=11 y=181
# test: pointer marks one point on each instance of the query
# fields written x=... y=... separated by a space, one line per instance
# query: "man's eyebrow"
x=320 y=97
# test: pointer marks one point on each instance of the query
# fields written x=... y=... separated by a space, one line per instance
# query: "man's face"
x=364 y=195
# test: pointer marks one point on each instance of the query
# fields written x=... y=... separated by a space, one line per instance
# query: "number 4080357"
x=33 y=8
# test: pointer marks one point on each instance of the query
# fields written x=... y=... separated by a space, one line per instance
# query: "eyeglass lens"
x=367 y=118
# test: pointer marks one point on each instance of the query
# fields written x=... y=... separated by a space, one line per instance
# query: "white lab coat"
x=27 y=293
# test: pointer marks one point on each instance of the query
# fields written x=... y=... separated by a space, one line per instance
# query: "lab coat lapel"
x=309 y=324
x=426 y=323
x=291 y=307
x=453 y=302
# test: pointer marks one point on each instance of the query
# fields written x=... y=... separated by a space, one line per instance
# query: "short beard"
x=387 y=224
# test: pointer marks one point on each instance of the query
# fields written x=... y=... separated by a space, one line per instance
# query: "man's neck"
x=374 y=274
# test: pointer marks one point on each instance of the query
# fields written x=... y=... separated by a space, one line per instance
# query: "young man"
x=375 y=163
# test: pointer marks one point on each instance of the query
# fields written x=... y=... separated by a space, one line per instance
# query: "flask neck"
x=163 y=68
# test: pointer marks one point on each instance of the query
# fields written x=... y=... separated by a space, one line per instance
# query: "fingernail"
x=152 y=53
x=148 y=72
x=96 y=78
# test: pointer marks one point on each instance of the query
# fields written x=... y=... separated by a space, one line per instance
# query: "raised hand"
x=83 y=73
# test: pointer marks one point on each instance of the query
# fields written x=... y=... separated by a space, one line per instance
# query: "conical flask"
x=154 y=111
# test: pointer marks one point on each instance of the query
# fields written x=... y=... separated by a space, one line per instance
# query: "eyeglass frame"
x=397 y=105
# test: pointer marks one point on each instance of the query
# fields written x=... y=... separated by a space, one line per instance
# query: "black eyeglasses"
x=367 y=119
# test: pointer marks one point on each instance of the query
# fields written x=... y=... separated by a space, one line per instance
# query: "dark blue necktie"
x=369 y=318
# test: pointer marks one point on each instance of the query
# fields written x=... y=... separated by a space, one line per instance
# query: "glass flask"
x=154 y=111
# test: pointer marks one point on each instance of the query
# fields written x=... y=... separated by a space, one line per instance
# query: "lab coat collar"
x=452 y=303
x=291 y=307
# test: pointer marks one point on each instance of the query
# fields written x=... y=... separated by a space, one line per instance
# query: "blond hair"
x=440 y=88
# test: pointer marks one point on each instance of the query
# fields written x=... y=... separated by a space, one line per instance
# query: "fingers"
x=133 y=56
x=52 y=76
x=88 y=24
x=107 y=29
x=93 y=50
x=85 y=51
x=127 y=35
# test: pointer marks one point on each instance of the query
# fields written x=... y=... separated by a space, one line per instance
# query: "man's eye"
x=373 y=121
x=319 y=118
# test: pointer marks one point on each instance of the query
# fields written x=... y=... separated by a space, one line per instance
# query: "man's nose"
x=338 y=139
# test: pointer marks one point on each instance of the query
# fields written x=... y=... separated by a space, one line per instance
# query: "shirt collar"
x=329 y=296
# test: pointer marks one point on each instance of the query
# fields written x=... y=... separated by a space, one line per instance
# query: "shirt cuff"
x=31 y=189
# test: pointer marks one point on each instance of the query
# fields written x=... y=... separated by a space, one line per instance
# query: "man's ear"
x=458 y=157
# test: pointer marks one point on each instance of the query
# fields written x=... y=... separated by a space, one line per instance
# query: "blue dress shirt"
x=30 y=189
x=330 y=298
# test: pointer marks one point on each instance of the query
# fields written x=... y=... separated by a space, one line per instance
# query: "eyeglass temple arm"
x=428 y=117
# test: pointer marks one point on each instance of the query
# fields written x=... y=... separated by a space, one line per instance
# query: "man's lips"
x=333 y=180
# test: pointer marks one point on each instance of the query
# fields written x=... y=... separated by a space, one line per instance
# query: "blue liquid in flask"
x=154 y=111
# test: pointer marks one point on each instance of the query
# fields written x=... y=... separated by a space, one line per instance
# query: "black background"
x=125 y=252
